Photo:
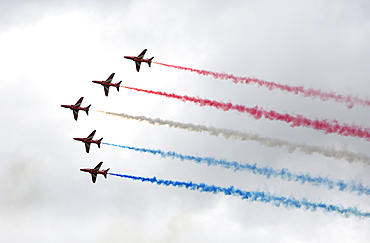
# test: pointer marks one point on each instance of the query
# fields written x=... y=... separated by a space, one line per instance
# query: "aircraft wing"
x=141 y=55
x=138 y=66
x=75 y=114
x=106 y=90
x=98 y=166
x=91 y=135
x=78 y=103
x=110 y=78
x=93 y=177
x=87 y=146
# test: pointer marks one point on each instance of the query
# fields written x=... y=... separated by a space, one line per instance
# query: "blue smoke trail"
x=252 y=196
x=283 y=173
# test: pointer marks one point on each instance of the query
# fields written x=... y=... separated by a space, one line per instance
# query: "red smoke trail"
x=349 y=100
x=258 y=113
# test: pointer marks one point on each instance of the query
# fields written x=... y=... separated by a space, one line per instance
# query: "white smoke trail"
x=269 y=142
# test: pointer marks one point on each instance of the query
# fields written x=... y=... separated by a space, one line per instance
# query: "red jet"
x=108 y=83
x=89 y=140
x=94 y=172
x=75 y=108
x=139 y=59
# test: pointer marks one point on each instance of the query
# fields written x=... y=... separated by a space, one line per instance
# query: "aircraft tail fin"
x=99 y=142
x=105 y=174
x=87 y=110
x=150 y=61
x=119 y=84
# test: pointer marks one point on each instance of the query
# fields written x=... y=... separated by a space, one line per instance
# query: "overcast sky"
x=50 y=53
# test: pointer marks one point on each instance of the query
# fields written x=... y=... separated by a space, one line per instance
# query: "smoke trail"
x=266 y=171
x=253 y=196
x=269 y=142
x=349 y=100
x=295 y=121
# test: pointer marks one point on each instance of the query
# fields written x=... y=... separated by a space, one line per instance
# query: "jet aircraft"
x=89 y=140
x=108 y=83
x=94 y=172
x=139 y=59
x=75 y=108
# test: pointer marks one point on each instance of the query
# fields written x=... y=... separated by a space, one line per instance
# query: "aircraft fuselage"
x=137 y=59
x=86 y=140
x=105 y=83
x=91 y=171
x=72 y=107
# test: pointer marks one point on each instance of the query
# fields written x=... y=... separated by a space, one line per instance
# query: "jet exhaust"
x=244 y=136
x=266 y=171
x=257 y=113
x=348 y=100
x=256 y=196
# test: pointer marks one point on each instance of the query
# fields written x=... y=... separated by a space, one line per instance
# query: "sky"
x=50 y=53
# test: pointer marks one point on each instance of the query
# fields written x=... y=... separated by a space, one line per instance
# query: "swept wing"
x=75 y=114
x=91 y=135
x=98 y=166
x=78 y=103
x=110 y=78
x=93 y=177
x=141 y=55
x=87 y=146
x=106 y=90
x=138 y=64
